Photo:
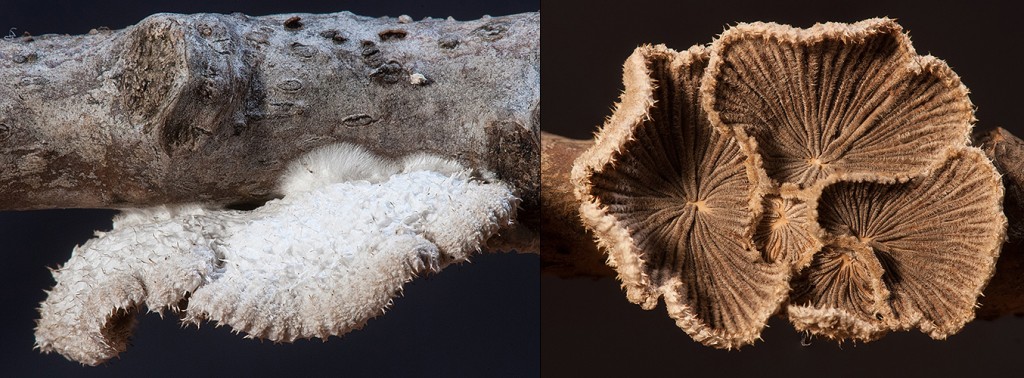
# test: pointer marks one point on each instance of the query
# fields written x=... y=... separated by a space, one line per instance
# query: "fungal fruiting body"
x=908 y=255
x=672 y=201
x=351 y=229
x=828 y=167
x=787 y=232
x=849 y=119
x=835 y=101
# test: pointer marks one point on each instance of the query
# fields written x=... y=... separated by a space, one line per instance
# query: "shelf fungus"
x=905 y=255
x=834 y=101
x=674 y=203
x=350 y=230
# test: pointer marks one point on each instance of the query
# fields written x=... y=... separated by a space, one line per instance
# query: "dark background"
x=473 y=319
x=589 y=328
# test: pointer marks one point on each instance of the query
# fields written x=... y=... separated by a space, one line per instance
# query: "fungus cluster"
x=351 y=229
x=823 y=173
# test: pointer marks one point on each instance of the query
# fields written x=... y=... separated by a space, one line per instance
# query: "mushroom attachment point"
x=351 y=229
x=674 y=203
x=905 y=255
x=834 y=101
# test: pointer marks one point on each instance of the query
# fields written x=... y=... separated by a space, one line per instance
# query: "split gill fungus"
x=675 y=203
x=824 y=174
x=924 y=251
x=835 y=101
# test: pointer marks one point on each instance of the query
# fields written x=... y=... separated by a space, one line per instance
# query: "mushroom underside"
x=681 y=192
x=924 y=249
x=835 y=101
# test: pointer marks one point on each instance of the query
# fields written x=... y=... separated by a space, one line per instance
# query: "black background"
x=474 y=319
x=588 y=325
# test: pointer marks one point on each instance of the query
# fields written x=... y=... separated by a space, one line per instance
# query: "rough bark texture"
x=210 y=108
x=573 y=256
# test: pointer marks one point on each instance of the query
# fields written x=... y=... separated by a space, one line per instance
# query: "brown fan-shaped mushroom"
x=850 y=101
x=841 y=291
x=674 y=203
x=905 y=255
x=787 y=232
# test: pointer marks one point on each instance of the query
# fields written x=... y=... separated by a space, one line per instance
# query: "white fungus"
x=350 y=231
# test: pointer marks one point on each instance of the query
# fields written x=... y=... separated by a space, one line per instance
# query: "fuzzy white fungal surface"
x=319 y=262
x=335 y=163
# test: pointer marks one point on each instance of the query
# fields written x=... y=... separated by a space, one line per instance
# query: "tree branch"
x=211 y=108
x=568 y=249
x=398 y=147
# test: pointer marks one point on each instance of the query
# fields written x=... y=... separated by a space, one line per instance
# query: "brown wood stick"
x=567 y=249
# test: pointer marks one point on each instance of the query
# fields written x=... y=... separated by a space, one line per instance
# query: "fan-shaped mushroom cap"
x=844 y=281
x=849 y=101
x=935 y=238
x=674 y=204
x=787 y=232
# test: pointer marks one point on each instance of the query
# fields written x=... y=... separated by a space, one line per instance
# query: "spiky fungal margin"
x=904 y=256
x=834 y=101
x=350 y=231
x=674 y=202
x=835 y=154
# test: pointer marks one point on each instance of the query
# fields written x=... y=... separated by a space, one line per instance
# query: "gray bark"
x=210 y=108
